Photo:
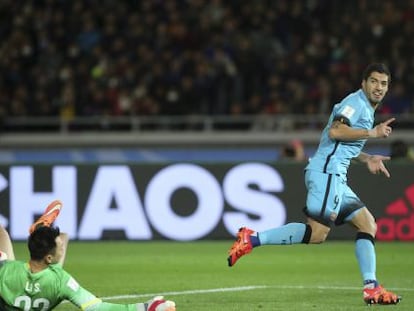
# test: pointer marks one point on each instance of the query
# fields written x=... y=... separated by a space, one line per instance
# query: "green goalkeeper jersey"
x=20 y=289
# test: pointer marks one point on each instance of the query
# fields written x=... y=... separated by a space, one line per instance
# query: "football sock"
x=365 y=254
x=254 y=239
x=291 y=233
x=370 y=284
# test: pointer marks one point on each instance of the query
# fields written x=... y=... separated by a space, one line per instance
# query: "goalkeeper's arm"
x=87 y=301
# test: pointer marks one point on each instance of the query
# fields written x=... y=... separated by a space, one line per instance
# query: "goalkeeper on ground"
x=41 y=284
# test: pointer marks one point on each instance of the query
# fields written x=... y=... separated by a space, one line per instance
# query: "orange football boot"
x=49 y=216
x=241 y=247
x=379 y=295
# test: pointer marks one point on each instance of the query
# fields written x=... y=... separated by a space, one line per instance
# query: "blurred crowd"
x=187 y=57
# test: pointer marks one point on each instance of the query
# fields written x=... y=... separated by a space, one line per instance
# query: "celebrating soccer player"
x=330 y=200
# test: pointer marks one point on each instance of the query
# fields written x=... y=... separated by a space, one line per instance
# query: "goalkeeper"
x=42 y=283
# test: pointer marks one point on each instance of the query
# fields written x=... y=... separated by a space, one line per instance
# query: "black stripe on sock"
x=366 y=236
x=307 y=235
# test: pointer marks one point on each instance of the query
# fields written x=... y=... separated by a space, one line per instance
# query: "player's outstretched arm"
x=343 y=132
x=156 y=304
x=87 y=301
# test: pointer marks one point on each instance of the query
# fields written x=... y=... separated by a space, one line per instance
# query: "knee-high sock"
x=292 y=233
x=365 y=254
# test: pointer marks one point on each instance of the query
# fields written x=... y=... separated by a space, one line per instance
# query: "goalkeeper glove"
x=159 y=304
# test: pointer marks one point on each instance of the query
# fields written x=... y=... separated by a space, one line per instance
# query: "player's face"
x=375 y=87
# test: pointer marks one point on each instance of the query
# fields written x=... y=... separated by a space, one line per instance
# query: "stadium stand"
x=195 y=64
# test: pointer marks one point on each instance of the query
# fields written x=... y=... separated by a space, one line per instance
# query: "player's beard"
x=375 y=100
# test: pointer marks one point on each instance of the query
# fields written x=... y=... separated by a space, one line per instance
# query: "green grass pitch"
x=196 y=276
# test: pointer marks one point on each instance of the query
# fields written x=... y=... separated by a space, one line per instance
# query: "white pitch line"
x=185 y=292
x=189 y=292
x=240 y=288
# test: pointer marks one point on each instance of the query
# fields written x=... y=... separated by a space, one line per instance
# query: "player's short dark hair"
x=376 y=67
x=42 y=242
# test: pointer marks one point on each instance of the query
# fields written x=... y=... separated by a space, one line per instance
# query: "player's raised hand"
x=382 y=130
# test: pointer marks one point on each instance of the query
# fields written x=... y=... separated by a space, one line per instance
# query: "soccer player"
x=330 y=201
x=42 y=283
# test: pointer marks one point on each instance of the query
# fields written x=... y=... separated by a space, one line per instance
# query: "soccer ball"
x=3 y=256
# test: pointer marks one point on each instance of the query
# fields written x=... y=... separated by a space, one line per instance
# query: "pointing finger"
x=385 y=171
x=389 y=121
x=385 y=158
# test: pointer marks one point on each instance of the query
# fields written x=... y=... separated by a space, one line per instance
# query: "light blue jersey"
x=332 y=156
x=330 y=200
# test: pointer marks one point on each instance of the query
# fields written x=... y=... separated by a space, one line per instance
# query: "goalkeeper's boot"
x=49 y=216
x=159 y=304
x=242 y=246
x=379 y=295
